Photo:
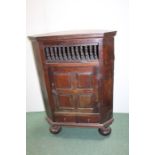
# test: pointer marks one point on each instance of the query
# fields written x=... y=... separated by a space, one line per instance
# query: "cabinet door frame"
x=71 y=73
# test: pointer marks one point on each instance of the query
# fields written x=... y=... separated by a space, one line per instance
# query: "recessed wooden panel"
x=65 y=101
x=86 y=101
x=84 y=80
x=62 y=80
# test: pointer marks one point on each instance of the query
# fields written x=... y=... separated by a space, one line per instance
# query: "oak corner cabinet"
x=76 y=77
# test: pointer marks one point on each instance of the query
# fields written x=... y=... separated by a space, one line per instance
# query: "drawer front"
x=88 y=119
x=78 y=118
x=65 y=119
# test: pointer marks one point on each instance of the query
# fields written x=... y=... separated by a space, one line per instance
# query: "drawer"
x=65 y=119
x=88 y=119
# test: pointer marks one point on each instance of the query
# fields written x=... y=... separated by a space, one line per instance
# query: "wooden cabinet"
x=76 y=77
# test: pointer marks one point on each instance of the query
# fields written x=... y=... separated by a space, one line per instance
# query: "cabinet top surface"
x=75 y=34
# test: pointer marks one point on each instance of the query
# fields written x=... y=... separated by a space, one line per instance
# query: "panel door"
x=75 y=89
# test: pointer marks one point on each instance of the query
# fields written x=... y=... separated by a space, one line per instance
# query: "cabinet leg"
x=105 y=130
x=55 y=129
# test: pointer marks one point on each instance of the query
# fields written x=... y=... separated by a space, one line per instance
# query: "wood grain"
x=76 y=74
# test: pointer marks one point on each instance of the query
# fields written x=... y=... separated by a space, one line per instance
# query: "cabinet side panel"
x=108 y=68
x=40 y=71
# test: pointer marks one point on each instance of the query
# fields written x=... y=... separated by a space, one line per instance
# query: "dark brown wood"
x=76 y=78
x=91 y=125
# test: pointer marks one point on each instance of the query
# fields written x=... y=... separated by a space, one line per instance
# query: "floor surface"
x=76 y=141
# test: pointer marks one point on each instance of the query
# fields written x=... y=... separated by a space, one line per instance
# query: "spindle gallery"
x=69 y=53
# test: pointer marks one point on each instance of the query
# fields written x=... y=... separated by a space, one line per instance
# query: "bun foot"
x=55 y=129
x=104 y=131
